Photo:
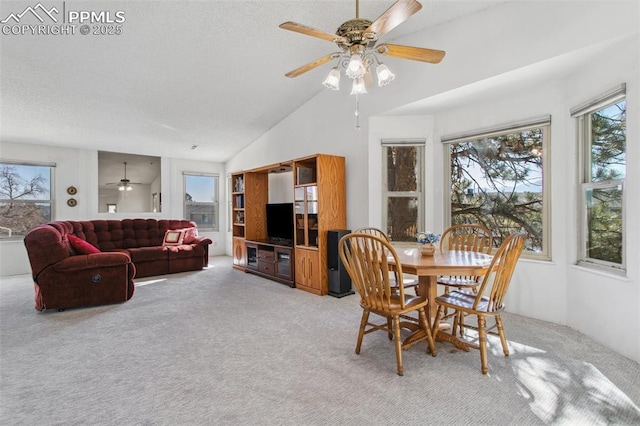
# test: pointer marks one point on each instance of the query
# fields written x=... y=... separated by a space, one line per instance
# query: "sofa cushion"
x=80 y=246
x=147 y=254
x=184 y=251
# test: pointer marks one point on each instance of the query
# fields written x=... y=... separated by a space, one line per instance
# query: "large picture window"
x=25 y=197
x=497 y=179
x=403 y=199
x=201 y=200
x=602 y=138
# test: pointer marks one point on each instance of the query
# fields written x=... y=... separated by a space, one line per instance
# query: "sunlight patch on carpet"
x=561 y=391
x=147 y=282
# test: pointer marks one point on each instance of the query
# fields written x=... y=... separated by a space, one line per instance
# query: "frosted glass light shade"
x=355 y=69
x=333 y=79
x=358 y=87
x=385 y=76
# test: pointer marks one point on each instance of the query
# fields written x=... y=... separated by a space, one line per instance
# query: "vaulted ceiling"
x=181 y=74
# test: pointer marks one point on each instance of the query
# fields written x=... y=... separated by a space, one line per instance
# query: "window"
x=402 y=185
x=496 y=179
x=201 y=200
x=602 y=138
x=25 y=197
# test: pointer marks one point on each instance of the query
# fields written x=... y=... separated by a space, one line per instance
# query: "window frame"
x=50 y=200
x=582 y=115
x=419 y=194
x=215 y=224
x=544 y=124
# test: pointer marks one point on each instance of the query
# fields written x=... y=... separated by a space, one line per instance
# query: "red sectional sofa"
x=65 y=277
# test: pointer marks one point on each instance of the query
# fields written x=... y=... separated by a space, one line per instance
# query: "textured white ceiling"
x=182 y=73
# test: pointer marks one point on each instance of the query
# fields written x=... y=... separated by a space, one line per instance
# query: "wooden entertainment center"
x=319 y=200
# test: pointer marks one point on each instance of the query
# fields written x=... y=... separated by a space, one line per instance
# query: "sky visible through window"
x=201 y=188
x=27 y=173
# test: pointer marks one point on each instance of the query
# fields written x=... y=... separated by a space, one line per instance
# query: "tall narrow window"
x=201 y=200
x=403 y=199
x=496 y=179
x=602 y=134
x=25 y=197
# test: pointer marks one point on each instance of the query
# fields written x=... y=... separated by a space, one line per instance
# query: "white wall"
x=559 y=54
x=79 y=167
x=281 y=187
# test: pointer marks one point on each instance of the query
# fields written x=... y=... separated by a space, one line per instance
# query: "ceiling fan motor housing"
x=353 y=32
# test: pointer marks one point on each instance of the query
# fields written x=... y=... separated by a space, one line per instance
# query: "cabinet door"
x=315 y=278
x=239 y=253
x=308 y=269
x=284 y=268
x=252 y=255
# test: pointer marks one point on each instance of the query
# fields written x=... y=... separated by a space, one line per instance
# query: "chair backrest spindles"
x=496 y=282
x=469 y=237
x=366 y=259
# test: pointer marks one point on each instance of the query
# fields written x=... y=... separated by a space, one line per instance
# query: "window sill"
x=604 y=271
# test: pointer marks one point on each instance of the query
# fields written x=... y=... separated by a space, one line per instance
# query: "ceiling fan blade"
x=408 y=52
x=313 y=64
x=313 y=32
x=394 y=16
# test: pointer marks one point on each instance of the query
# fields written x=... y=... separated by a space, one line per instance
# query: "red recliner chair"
x=65 y=280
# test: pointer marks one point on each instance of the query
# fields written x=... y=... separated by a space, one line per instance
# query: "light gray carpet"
x=220 y=347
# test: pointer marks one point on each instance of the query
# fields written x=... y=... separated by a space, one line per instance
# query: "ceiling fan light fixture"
x=356 y=68
x=358 y=87
x=385 y=76
x=333 y=79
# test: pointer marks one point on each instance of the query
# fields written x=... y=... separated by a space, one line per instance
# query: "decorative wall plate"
x=72 y=190
x=72 y=202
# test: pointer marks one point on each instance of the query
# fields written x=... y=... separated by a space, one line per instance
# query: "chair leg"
x=390 y=328
x=436 y=323
x=482 y=337
x=363 y=323
x=461 y=323
x=503 y=338
x=398 y=343
x=456 y=322
x=422 y=316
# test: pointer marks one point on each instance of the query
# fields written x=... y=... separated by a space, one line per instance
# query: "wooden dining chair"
x=467 y=237
x=410 y=281
x=366 y=258
x=487 y=301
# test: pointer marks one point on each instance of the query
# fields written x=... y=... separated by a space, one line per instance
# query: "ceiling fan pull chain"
x=357 y=113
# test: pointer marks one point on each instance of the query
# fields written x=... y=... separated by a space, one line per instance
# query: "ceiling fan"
x=357 y=39
x=124 y=184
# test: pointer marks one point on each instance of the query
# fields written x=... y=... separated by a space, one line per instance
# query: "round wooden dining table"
x=446 y=262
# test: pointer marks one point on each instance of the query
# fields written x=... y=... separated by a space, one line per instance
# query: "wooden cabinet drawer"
x=266 y=268
x=266 y=256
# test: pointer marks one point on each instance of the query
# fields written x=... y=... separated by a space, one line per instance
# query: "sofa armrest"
x=202 y=240
x=91 y=261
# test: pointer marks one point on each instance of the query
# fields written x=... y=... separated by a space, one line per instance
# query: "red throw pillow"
x=80 y=246
x=190 y=235
x=173 y=237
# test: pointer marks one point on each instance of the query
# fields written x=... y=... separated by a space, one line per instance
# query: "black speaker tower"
x=339 y=279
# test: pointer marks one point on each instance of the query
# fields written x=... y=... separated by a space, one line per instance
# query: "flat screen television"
x=280 y=222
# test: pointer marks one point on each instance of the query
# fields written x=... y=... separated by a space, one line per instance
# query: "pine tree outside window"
x=602 y=141
x=403 y=189
x=496 y=179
